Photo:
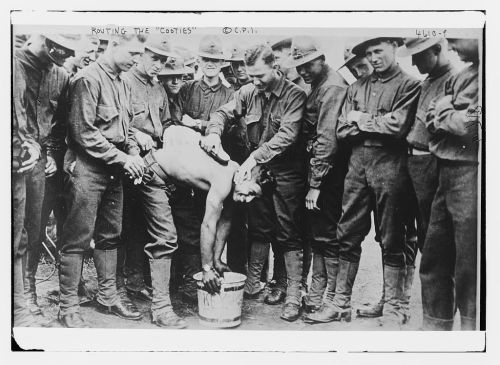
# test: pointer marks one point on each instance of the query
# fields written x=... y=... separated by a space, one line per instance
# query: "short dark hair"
x=259 y=51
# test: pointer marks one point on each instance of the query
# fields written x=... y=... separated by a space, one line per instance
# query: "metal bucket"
x=221 y=310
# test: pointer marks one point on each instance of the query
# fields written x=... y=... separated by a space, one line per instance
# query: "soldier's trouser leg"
x=261 y=232
x=450 y=249
x=323 y=232
x=35 y=188
x=161 y=239
x=95 y=203
x=131 y=257
x=21 y=314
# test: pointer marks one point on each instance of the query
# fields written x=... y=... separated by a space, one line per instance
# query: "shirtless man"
x=183 y=162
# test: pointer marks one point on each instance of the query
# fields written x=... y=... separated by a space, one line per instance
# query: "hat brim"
x=405 y=51
x=213 y=56
x=284 y=43
x=181 y=71
x=359 y=49
x=303 y=60
x=160 y=52
x=62 y=42
x=236 y=59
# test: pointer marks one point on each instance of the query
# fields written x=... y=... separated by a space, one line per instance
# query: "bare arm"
x=223 y=229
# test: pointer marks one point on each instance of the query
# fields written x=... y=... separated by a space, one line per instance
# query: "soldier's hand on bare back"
x=211 y=143
x=134 y=166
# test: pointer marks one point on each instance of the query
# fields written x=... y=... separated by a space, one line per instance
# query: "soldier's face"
x=83 y=59
x=425 y=60
x=173 y=84
x=126 y=53
x=361 y=67
x=311 y=70
x=262 y=75
x=56 y=53
x=282 y=57
x=381 y=56
x=239 y=70
x=210 y=66
x=151 y=63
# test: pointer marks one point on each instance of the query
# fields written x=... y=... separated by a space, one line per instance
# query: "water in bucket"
x=221 y=310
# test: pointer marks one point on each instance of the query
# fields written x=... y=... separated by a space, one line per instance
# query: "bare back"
x=186 y=163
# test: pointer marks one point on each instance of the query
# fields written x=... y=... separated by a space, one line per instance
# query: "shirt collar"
x=141 y=76
x=104 y=64
x=278 y=87
x=213 y=88
x=440 y=71
x=396 y=70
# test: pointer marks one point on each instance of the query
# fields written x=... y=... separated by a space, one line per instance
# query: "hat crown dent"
x=68 y=41
x=211 y=45
x=303 y=46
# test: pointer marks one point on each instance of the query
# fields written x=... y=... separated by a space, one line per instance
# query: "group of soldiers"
x=89 y=113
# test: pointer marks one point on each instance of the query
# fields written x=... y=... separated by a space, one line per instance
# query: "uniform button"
x=38 y=101
x=373 y=94
x=112 y=177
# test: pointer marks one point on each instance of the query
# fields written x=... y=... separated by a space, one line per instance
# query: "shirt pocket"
x=253 y=128
x=106 y=113
x=138 y=111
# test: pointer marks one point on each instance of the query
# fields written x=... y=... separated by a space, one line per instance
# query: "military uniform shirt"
x=432 y=87
x=456 y=125
x=149 y=104
x=388 y=108
x=45 y=90
x=198 y=100
x=101 y=112
x=323 y=107
x=273 y=124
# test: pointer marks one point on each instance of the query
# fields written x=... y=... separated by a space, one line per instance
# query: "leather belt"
x=152 y=164
x=412 y=151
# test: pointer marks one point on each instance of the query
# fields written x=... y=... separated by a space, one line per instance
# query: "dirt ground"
x=255 y=314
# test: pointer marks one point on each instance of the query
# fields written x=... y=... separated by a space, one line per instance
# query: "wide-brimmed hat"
x=284 y=43
x=211 y=47
x=416 y=45
x=71 y=42
x=360 y=48
x=237 y=54
x=175 y=66
x=304 y=49
x=160 y=46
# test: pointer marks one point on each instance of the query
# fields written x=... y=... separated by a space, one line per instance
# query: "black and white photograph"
x=175 y=174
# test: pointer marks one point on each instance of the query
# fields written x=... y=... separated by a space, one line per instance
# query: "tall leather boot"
x=70 y=270
x=161 y=308
x=327 y=312
x=191 y=265
x=107 y=297
x=259 y=252
x=22 y=315
x=314 y=298
x=374 y=310
x=293 y=264
x=393 y=313
x=277 y=291
x=341 y=303
x=31 y=261
x=410 y=271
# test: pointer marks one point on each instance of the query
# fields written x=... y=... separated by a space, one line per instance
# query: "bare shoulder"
x=180 y=135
